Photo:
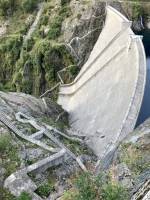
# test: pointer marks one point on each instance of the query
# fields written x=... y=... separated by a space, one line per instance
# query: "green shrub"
x=9 y=53
x=44 y=190
x=114 y=192
x=7 y=5
x=6 y=195
x=74 y=70
x=85 y=185
x=55 y=28
x=89 y=187
x=137 y=10
x=4 y=143
x=64 y=2
x=24 y=196
x=29 y=5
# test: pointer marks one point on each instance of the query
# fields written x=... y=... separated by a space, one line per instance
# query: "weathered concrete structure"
x=104 y=100
x=20 y=181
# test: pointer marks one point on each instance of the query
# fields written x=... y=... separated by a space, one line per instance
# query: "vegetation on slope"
x=88 y=187
x=32 y=67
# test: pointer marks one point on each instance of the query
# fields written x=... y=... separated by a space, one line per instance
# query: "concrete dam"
x=104 y=100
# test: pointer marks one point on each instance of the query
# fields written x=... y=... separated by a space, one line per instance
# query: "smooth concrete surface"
x=104 y=100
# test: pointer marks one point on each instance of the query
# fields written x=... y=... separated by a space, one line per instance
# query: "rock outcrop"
x=131 y=163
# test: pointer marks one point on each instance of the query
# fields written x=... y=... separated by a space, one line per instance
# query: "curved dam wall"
x=104 y=100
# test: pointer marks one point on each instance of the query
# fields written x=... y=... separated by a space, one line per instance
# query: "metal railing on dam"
x=104 y=100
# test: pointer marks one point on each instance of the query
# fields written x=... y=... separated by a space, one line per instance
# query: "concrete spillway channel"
x=104 y=100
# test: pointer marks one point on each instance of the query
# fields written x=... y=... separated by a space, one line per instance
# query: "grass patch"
x=4 y=143
x=24 y=196
x=89 y=187
x=134 y=157
x=6 y=195
x=44 y=190
x=8 y=154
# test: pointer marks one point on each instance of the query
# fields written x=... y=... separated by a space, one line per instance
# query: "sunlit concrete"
x=104 y=100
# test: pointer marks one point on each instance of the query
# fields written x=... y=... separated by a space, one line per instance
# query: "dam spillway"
x=104 y=100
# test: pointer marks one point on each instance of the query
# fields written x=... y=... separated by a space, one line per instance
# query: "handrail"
x=129 y=23
x=62 y=70
x=49 y=91
x=97 y=57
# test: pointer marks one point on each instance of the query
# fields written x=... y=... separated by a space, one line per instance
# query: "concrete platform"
x=104 y=100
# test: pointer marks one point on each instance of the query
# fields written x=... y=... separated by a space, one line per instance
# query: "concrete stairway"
x=13 y=128
x=20 y=181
